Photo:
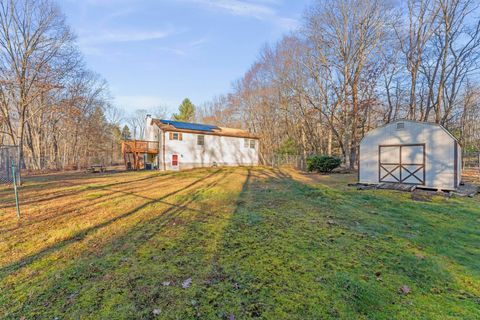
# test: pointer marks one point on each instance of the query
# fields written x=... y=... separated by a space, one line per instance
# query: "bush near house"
x=323 y=164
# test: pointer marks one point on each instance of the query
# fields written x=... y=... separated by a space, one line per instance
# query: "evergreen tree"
x=126 y=134
x=186 y=111
x=288 y=146
x=117 y=134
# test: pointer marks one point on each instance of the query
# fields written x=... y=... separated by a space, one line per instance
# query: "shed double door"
x=402 y=163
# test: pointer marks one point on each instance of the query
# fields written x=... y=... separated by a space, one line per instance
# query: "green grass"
x=256 y=243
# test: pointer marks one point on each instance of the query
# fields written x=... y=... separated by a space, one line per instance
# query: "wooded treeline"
x=50 y=104
x=358 y=64
x=352 y=66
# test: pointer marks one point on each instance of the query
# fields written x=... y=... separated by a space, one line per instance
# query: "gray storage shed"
x=411 y=152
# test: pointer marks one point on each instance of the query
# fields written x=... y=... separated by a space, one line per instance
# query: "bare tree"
x=452 y=57
x=114 y=115
x=36 y=50
x=160 y=112
x=346 y=36
x=413 y=38
x=136 y=122
x=357 y=64
x=469 y=126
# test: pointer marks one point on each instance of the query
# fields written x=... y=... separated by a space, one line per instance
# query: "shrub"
x=323 y=164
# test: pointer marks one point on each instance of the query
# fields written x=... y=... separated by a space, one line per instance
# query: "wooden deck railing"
x=139 y=146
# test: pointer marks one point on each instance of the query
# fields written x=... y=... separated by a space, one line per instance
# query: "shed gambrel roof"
x=413 y=121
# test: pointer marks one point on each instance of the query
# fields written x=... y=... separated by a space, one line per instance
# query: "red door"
x=174 y=160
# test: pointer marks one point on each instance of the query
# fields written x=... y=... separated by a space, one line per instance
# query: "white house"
x=411 y=152
x=184 y=145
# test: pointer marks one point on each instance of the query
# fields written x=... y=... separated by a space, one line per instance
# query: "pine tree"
x=186 y=111
x=126 y=134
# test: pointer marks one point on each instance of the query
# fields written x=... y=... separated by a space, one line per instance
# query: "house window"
x=400 y=126
x=252 y=144
x=200 y=140
x=175 y=136
x=245 y=143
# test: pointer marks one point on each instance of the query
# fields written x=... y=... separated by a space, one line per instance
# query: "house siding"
x=217 y=150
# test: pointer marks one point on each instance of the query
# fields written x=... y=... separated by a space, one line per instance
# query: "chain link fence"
x=279 y=160
x=47 y=164
x=9 y=170
x=296 y=161
x=471 y=166
x=9 y=160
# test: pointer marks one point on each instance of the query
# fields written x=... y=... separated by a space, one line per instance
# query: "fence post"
x=19 y=166
x=15 y=189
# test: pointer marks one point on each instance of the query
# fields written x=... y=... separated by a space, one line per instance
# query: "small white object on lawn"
x=187 y=283
x=405 y=289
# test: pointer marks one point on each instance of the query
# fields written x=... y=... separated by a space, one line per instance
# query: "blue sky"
x=155 y=53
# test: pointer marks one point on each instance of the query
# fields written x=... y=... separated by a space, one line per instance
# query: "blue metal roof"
x=190 y=126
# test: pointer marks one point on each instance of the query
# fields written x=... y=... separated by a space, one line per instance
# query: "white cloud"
x=91 y=41
x=184 y=49
x=115 y=36
x=288 y=23
x=240 y=8
x=134 y=102
x=260 y=9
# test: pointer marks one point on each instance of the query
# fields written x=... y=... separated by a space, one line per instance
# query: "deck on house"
x=140 y=146
x=133 y=149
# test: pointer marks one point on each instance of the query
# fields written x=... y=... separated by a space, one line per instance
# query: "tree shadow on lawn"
x=119 y=273
x=71 y=209
x=444 y=227
x=300 y=251
x=26 y=199
x=84 y=233
x=288 y=250
x=447 y=229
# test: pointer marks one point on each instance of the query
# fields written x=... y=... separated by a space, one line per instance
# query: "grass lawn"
x=234 y=243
